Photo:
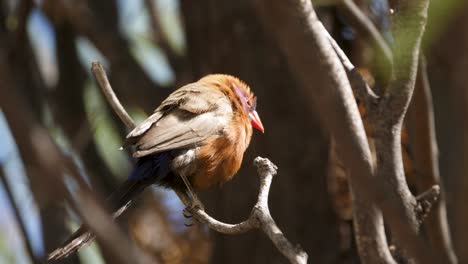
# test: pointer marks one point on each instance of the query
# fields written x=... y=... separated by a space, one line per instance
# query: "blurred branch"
x=109 y=41
x=39 y=151
x=408 y=25
x=363 y=25
x=23 y=11
x=67 y=102
x=160 y=37
x=260 y=216
x=421 y=129
x=18 y=218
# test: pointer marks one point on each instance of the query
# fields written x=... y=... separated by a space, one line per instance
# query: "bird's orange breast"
x=221 y=157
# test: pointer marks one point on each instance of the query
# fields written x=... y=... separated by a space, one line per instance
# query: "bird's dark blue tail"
x=149 y=170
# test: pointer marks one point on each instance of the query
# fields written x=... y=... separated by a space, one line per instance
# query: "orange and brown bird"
x=195 y=139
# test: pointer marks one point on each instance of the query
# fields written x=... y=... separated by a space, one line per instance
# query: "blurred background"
x=151 y=47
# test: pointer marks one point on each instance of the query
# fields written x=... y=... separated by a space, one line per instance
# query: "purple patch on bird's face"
x=245 y=98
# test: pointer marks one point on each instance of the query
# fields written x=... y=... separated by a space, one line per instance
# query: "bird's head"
x=239 y=92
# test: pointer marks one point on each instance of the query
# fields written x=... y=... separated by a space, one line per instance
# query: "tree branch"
x=103 y=82
x=408 y=25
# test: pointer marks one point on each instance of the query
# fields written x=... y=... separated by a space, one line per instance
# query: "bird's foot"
x=186 y=213
x=195 y=203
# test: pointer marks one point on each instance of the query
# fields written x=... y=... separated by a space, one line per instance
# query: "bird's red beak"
x=256 y=122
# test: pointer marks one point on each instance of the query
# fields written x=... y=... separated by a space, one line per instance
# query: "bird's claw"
x=195 y=203
x=186 y=213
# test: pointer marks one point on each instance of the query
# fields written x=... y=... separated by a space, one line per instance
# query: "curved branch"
x=101 y=78
x=260 y=216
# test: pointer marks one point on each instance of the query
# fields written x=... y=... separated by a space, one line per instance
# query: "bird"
x=194 y=140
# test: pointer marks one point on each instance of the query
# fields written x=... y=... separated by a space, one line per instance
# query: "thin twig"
x=426 y=200
x=101 y=78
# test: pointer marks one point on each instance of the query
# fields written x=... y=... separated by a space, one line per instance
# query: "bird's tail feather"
x=120 y=200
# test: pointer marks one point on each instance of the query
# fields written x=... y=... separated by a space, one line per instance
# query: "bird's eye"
x=248 y=102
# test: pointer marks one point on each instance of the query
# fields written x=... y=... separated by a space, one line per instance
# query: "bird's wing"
x=187 y=117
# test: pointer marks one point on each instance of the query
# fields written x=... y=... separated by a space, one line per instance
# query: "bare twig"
x=426 y=200
x=17 y=216
x=101 y=78
x=260 y=216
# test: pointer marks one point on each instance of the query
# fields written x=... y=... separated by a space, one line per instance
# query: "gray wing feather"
x=187 y=117
x=145 y=125
x=174 y=131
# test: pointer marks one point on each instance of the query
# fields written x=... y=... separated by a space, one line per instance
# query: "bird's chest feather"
x=217 y=160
